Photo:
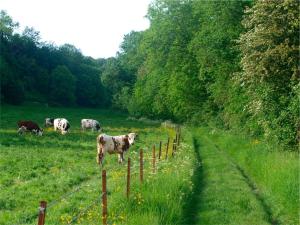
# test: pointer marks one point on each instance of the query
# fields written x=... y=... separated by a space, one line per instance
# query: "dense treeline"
x=35 y=71
x=233 y=64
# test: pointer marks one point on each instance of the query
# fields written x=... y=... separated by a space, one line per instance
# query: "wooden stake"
x=104 y=198
x=141 y=165
x=42 y=213
x=159 y=153
x=167 y=149
x=128 y=179
x=174 y=147
x=153 y=158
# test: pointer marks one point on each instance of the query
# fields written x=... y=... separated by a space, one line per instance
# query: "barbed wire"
x=68 y=194
x=27 y=218
x=82 y=212
x=80 y=187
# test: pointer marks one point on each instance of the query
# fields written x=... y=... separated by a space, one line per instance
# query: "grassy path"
x=223 y=194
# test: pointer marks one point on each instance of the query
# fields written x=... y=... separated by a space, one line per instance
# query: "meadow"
x=62 y=170
x=215 y=177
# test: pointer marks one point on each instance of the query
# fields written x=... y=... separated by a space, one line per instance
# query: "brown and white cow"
x=29 y=126
x=114 y=145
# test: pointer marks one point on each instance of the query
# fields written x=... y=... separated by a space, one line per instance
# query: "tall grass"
x=275 y=172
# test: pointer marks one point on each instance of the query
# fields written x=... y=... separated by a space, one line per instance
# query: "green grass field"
x=214 y=178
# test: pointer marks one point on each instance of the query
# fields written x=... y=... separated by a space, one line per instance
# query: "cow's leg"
x=120 y=156
x=100 y=157
x=100 y=152
x=21 y=130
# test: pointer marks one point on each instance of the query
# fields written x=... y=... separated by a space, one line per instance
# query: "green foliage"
x=27 y=66
x=234 y=64
x=270 y=62
x=62 y=86
x=213 y=62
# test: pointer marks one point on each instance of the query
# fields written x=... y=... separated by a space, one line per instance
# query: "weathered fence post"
x=153 y=158
x=179 y=134
x=104 y=198
x=42 y=213
x=141 y=165
x=167 y=149
x=159 y=153
x=174 y=147
x=128 y=178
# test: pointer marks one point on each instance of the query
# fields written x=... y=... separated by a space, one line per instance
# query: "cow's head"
x=38 y=131
x=131 y=138
x=49 y=122
x=98 y=128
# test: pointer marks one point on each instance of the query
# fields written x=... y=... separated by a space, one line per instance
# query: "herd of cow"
x=105 y=143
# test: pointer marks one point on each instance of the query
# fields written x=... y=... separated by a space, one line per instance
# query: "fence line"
x=82 y=212
x=43 y=204
x=68 y=194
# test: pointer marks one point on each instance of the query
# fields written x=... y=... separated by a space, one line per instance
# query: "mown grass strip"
x=274 y=172
x=224 y=196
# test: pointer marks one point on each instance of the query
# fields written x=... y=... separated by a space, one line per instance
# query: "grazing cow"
x=114 y=145
x=29 y=126
x=61 y=124
x=90 y=123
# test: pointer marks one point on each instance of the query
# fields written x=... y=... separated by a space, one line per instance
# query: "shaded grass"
x=193 y=200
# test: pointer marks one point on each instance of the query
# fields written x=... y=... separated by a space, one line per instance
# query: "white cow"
x=90 y=123
x=62 y=125
x=114 y=145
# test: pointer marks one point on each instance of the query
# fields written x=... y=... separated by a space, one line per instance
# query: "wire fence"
x=154 y=161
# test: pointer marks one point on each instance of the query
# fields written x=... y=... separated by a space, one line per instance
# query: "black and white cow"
x=90 y=124
x=62 y=125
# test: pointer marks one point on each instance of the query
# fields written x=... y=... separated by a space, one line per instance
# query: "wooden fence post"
x=159 y=153
x=104 y=198
x=42 y=213
x=128 y=178
x=167 y=149
x=153 y=158
x=174 y=147
x=141 y=165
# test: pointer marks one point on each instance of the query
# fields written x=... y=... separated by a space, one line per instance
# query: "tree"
x=270 y=63
x=62 y=86
x=7 y=25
